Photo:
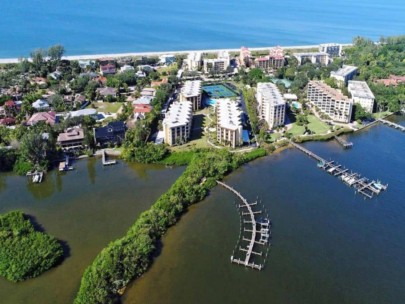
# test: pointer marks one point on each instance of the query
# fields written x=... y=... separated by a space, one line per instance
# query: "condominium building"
x=333 y=49
x=344 y=74
x=271 y=104
x=330 y=101
x=245 y=57
x=220 y=64
x=315 y=57
x=275 y=59
x=229 y=124
x=193 y=61
x=191 y=91
x=362 y=94
x=177 y=123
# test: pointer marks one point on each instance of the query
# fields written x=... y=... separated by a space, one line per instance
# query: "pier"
x=107 y=162
x=257 y=228
x=345 y=144
x=368 y=188
x=392 y=124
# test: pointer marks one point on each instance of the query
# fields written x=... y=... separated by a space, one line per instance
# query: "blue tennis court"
x=216 y=91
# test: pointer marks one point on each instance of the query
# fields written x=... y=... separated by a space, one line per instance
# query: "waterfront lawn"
x=379 y=115
x=315 y=125
x=24 y=252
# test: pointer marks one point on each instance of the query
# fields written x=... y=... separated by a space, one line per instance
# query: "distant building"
x=245 y=57
x=107 y=69
x=192 y=91
x=127 y=68
x=333 y=49
x=111 y=134
x=72 y=138
x=330 y=102
x=193 y=61
x=344 y=74
x=177 y=123
x=393 y=80
x=40 y=105
x=274 y=60
x=313 y=57
x=362 y=94
x=271 y=104
x=46 y=117
x=220 y=64
x=167 y=59
x=229 y=124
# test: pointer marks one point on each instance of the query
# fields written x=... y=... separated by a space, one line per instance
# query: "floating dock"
x=392 y=124
x=345 y=144
x=258 y=231
x=368 y=188
x=107 y=162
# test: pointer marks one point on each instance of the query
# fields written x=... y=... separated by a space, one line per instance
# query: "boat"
x=321 y=164
x=378 y=185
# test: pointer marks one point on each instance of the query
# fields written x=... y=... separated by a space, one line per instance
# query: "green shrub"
x=24 y=252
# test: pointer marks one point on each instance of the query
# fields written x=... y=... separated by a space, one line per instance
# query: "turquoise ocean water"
x=102 y=26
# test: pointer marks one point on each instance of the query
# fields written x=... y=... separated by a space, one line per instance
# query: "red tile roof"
x=47 y=117
x=142 y=108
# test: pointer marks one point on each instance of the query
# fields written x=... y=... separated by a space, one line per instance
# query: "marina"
x=368 y=188
x=258 y=230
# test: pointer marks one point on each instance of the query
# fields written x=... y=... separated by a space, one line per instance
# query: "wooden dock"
x=392 y=124
x=345 y=144
x=256 y=229
x=368 y=188
x=107 y=162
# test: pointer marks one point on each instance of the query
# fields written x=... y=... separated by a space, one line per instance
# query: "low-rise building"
x=126 y=68
x=271 y=104
x=219 y=64
x=177 y=123
x=107 y=69
x=46 y=117
x=104 y=92
x=192 y=91
x=193 y=61
x=229 y=123
x=167 y=59
x=151 y=92
x=330 y=102
x=344 y=74
x=362 y=94
x=84 y=112
x=313 y=57
x=393 y=80
x=333 y=49
x=72 y=138
x=140 y=110
x=112 y=134
x=41 y=105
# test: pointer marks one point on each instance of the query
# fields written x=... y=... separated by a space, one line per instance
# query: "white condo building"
x=271 y=104
x=313 y=57
x=220 y=64
x=333 y=49
x=177 y=123
x=344 y=74
x=192 y=91
x=193 y=61
x=330 y=101
x=229 y=124
x=362 y=94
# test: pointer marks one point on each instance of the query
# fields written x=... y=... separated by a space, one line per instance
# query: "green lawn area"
x=381 y=114
x=167 y=69
x=315 y=125
x=106 y=106
x=198 y=137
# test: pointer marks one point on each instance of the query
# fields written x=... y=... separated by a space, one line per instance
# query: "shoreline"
x=158 y=53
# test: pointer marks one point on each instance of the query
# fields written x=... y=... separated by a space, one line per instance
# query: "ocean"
x=102 y=26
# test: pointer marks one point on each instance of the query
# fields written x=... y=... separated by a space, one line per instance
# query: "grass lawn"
x=112 y=107
x=315 y=125
x=167 y=69
x=381 y=114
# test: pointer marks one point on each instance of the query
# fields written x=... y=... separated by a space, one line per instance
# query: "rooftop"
x=360 y=89
x=344 y=71
x=270 y=93
x=75 y=133
x=180 y=113
x=84 y=112
x=336 y=94
x=191 y=88
x=228 y=114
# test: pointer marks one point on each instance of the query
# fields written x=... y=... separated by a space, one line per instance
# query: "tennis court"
x=216 y=91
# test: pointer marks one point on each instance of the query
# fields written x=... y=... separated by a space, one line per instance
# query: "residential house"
x=40 y=105
x=167 y=59
x=7 y=121
x=47 y=117
x=104 y=92
x=393 y=80
x=127 y=68
x=140 y=110
x=72 y=138
x=112 y=134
